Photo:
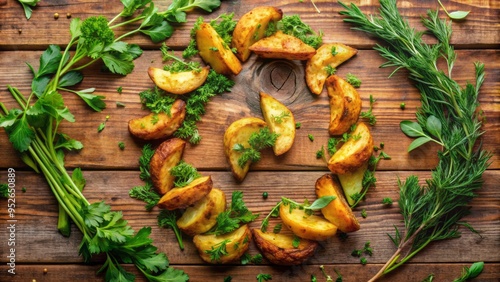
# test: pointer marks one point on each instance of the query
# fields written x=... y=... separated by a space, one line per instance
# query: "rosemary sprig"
x=447 y=117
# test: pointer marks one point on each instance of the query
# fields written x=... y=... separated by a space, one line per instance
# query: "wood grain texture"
x=38 y=241
x=243 y=100
x=111 y=172
x=443 y=272
x=479 y=30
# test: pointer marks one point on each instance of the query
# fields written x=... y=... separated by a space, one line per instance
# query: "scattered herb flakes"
x=363 y=213
x=121 y=145
x=119 y=90
x=387 y=201
x=353 y=80
x=120 y=104
x=311 y=137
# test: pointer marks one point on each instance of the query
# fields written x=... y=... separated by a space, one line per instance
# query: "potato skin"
x=158 y=126
x=305 y=226
x=214 y=52
x=278 y=248
x=183 y=197
x=238 y=133
x=286 y=128
x=337 y=211
x=345 y=105
x=282 y=46
x=315 y=68
x=251 y=28
x=180 y=82
x=236 y=247
x=202 y=216
x=166 y=156
x=353 y=153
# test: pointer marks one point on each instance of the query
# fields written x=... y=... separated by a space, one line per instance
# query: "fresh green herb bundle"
x=33 y=130
x=447 y=117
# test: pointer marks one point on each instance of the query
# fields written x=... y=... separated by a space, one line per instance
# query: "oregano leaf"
x=434 y=126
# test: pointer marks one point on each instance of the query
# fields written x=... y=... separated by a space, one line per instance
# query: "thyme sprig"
x=447 y=116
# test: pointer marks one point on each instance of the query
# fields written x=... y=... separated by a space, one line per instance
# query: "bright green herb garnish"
x=293 y=25
x=258 y=141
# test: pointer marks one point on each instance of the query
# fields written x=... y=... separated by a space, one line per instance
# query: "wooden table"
x=111 y=172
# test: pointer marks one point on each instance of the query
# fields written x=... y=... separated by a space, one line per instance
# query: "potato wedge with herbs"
x=252 y=27
x=166 y=156
x=327 y=56
x=306 y=226
x=282 y=46
x=280 y=121
x=235 y=244
x=202 y=216
x=279 y=249
x=178 y=82
x=337 y=211
x=158 y=126
x=238 y=133
x=215 y=52
x=353 y=153
x=345 y=105
x=352 y=182
x=183 y=197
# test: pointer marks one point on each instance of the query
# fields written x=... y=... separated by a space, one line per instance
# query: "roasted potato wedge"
x=316 y=73
x=202 y=216
x=353 y=153
x=280 y=121
x=158 y=126
x=166 y=156
x=215 y=52
x=282 y=46
x=345 y=105
x=279 y=249
x=238 y=133
x=251 y=28
x=306 y=226
x=237 y=243
x=352 y=182
x=337 y=211
x=183 y=197
x=179 y=82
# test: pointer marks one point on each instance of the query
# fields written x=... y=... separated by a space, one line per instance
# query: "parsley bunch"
x=448 y=117
x=293 y=25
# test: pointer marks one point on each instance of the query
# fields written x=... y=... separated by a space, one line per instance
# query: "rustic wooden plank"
x=480 y=29
x=37 y=240
x=350 y=272
x=311 y=111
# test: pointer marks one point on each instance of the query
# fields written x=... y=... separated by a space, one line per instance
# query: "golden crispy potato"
x=352 y=182
x=166 y=156
x=238 y=133
x=306 y=226
x=282 y=46
x=353 y=153
x=278 y=248
x=280 y=121
x=158 y=126
x=215 y=52
x=178 y=82
x=251 y=28
x=316 y=73
x=345 y=105
x=237 y=243
x=202 y=216
x=337 y=211
x=183 y=197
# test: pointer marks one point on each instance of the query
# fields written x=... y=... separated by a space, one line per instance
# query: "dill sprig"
x=447 y=117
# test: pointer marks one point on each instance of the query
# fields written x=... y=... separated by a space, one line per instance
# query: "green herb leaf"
x=411 y=129
x=418 y=142
x=434 y=126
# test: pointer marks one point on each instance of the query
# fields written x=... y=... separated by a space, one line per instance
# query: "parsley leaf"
x=231 y=219
x=293 y=25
